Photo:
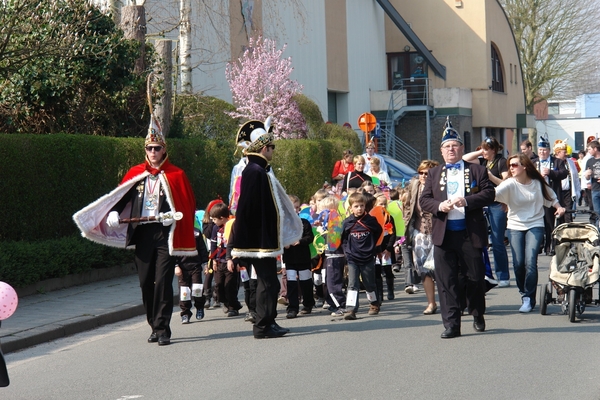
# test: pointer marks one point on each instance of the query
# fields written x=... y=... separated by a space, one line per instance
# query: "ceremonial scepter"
x=175 y=216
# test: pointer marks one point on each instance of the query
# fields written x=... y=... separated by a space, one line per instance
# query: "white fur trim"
x=91 y=220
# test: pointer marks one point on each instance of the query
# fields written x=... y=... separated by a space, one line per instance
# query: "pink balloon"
x=8 y=300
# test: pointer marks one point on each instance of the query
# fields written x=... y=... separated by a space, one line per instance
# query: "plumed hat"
x=544 y=143
x=254 y=135
x=560 y=144
x=155 y=135
x=450 y=133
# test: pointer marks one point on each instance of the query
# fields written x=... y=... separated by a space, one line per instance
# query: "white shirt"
x=367 y=158
x=455 y=187
x=525 y=203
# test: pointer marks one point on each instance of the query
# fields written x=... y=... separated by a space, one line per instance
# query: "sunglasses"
x=515 y=165
x=271 y=146
x=155 y=148
x=424 y=173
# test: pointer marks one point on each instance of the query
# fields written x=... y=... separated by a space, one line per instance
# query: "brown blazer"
x=480 y=195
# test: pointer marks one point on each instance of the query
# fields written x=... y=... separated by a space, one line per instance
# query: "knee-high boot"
x=306 y=288
x=379 y=283
x=389 y=280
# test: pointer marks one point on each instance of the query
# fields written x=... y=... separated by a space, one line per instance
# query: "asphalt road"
x=397 y=354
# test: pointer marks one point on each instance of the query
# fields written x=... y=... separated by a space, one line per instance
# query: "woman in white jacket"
x=526 y=194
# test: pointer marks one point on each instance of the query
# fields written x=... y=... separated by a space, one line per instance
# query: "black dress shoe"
x=276 y=327
x=269 y=333
x=450 y=333
x=479 y=324
x=164 y=340
x=153 y=338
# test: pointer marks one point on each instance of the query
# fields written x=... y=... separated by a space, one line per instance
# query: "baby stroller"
x=574 y=269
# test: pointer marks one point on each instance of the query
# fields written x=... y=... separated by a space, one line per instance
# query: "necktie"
x=453 y=166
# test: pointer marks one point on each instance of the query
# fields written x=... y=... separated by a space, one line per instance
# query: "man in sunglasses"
x=265 y=223
x=158 y=198
x=455 y=194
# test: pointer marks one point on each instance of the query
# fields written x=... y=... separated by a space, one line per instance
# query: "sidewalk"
x=44 y=317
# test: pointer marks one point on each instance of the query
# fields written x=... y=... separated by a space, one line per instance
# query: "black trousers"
x=190 y=274
x=267 y=291
x=566 y=200
x=459 y=272
x=249 y=287
x=156 y=269
x=303 y=287
x=227 y=286
x=549 y=223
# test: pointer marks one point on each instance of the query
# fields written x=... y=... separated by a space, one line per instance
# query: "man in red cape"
x=158 y=193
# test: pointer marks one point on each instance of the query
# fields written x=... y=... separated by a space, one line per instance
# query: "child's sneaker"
x=338 y=313
x=250 y=317
x=373 y=310
x=350 y=316
x=199 y=314
x=185 y=319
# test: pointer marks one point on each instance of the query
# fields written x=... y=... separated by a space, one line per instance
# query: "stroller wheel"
x=545 y=295
x=572 y=304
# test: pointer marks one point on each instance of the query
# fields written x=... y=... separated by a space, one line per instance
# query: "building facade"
x=411 y=63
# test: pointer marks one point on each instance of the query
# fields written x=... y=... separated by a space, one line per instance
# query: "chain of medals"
x=454 y=172
x=151 y=202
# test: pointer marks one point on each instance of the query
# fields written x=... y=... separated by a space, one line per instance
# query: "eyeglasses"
x=271 y=146
x=155 y=148
x=489 y=140
x=515 y=165
x=450 y=146
x=424 y=173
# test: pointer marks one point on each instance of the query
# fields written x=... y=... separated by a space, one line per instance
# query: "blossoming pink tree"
x=260 y=85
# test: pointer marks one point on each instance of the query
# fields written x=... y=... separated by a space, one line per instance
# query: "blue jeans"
x=497 y=218
x=367 y=273
x=596 y=203
x=525 y=246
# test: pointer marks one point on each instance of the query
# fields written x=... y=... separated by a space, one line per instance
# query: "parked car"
x=399 y=172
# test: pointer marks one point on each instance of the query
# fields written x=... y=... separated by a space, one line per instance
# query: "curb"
x=72 y=326
x=95 y=275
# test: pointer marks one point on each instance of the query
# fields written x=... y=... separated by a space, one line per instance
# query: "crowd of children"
x=349 y=244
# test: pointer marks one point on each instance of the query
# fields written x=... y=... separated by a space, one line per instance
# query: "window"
x=497 y=71
x=332 y=107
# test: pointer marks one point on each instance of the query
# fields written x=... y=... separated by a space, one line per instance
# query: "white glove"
x=167 y=219
x=113 y=219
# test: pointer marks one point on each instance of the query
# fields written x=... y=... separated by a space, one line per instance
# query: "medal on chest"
x=151 y=202
x=453 y=186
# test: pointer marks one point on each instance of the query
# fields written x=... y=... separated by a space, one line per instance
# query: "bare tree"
x=558 y=41
x=202 y=29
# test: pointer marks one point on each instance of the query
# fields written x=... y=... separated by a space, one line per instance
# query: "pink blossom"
x=260 y=85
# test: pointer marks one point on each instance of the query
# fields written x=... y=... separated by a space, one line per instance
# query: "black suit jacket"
x=479 y=196
x=558 y=172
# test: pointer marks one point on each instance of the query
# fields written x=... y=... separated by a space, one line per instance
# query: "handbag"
x=429 y=264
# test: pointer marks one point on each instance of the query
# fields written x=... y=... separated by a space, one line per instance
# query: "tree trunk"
x=164 y=68
x=133 y=23
x=185 y=45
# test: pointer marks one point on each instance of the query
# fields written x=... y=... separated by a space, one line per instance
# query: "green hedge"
x=47 y=178
x=24 y=263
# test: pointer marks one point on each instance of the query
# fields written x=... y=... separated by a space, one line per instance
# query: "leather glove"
x=167 y=220
x=113 y=219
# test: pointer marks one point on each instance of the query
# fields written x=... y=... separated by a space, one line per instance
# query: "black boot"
x=389 y=280
x=379 y=284
x=308 y=299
